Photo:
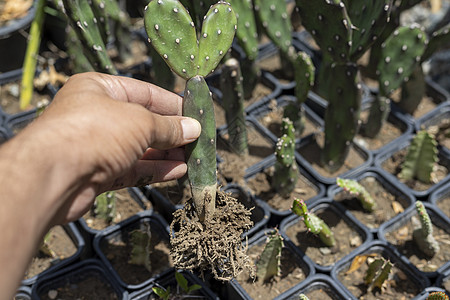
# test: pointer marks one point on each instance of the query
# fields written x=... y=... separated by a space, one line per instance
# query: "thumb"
x=173 y=131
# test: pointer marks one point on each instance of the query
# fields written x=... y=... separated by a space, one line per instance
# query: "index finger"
x=152 y=97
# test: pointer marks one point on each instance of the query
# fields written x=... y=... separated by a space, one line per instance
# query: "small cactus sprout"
x=423 y=234
x=82 y=20
x=105 y=206
x=437 y=296
x=286 y=173
x=314 y=223
x=140 y=240
x=421 y=158
x=304 y=80
x=268 y=265
x=44 y=248
x=303 y=297
x=378 y=273
x=233 y=102
x=355 y=189
x=172 y=33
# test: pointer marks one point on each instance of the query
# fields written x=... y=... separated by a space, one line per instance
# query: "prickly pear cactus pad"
x=172 y=33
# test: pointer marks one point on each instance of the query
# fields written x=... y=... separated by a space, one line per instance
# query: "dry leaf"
x=358 y=261
x=397 y=207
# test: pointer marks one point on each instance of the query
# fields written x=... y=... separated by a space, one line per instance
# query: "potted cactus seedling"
x=354 y=188
x=278 y=269
x=314 y=224
x=420 y=235
x=201 y=224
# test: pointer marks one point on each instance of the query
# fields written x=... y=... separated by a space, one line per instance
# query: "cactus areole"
x=192 y=56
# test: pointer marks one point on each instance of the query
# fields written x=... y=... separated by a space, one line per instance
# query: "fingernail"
x=191 y=128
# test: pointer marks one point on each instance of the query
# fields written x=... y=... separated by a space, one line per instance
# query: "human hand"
x=112 y=132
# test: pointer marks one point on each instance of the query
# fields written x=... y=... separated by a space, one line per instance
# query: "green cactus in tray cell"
x=172 y=33
x=423 y=233
x=105 y=206
x=141 y=247
x=378 y=273
x=233 y=103
x=343 y=30
x=437 y=296
x=421 y=158
x=354 y=188
x=82 y=19
x=286 y=173
x=303 y=297
x=247 y=37
x=304 y=79
x=268 y=265
x=314 y=224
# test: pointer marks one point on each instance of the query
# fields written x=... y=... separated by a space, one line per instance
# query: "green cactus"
x=378 y=273
x=181 y=283
x=268 y=265
x=303 y=297
x=314 y=223
x=423 y=233
x=354 y=188
x=344 y=30
x=304 y=79
x=421 y=158
x=172 y=33
x=437 y=296
x=247 y=38
x=233 y=102
x=83 y=21
x=105 y=206
x=115 y=22
x=140 y=240
x=286 y=173
x=80 y=63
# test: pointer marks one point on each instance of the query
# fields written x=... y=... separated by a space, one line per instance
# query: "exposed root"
x=214 y=245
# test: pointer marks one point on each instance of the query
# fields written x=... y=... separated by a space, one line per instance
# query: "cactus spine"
x=423 y=234
x=378 y=273
x=172 y=33
x=83 y=21
x=421 y=157
x=286 y=173
x=354 y=188
x=268 y=265
x=105 y=206
x=233 y=102
x=314 y=223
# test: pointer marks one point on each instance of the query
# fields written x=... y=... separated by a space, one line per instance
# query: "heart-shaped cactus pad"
x=172 y=33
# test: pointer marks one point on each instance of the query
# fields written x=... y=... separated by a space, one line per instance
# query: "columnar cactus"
x=314 y=223
x=354 y=188
x=247 y=38
x=172 y=33
x=378 y=273
x=83 y=21
x=140 y=240
x=423 y=234
x=268 y=265
x=421 y=158
x=233 y=102
x=343 y=31
x=105 y=206
x=401 y=54
x=304 y=80
x=286 y=174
